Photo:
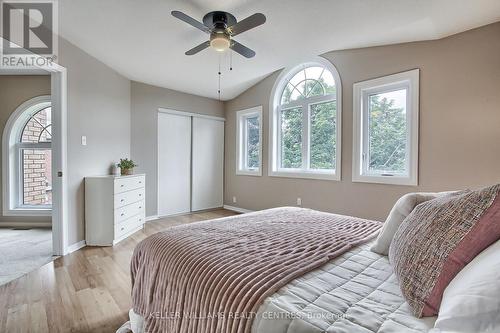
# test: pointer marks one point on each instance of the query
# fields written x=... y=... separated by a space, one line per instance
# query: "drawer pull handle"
x=122 y=185
x=140 y=182
x=140 y=207
x=140 y=220
x=122 y=228
x=140 y=194
x=122 y=200
x=122 y=214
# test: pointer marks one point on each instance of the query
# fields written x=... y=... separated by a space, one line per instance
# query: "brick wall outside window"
x=37 y=173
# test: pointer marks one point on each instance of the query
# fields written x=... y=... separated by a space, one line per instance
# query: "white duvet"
x=356 y=292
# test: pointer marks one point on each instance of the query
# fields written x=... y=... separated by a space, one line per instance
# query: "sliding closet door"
x=208 y=163
x=174 y=164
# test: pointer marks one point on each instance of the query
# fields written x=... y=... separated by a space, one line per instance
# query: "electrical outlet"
x=299 y=202
x=84 y=140
x=234 y=199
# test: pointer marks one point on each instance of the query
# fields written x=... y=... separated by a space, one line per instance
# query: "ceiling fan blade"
x=198 y=48
x=241 y=49
x=189 y=20
x=250 y=22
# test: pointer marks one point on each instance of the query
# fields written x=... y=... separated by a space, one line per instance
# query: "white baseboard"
x=76 y=246
x=237 y=209
x=152 y=217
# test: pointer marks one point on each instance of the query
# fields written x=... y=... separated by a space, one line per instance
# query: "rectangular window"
x=36 y=177
x=386 y=129
x=249 y=145
x=307 y=141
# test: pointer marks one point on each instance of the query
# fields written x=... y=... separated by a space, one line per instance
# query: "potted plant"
x=127 y=166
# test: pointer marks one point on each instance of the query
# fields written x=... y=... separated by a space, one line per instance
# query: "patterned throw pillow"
x=438 y=239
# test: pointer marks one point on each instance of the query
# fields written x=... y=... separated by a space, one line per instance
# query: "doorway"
x=58 y=155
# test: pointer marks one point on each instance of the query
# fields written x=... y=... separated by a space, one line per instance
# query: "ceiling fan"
x=222 y=27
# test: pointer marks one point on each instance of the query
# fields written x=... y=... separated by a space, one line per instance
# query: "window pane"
x=328 y=82
x=308 y=82
x=323 y=135
x=291 y=138
x=314 y=72
x=253 y=142
x=38 y=128
x=286 y=97
x=314 y=88
x=387 y=133
x=37 y=177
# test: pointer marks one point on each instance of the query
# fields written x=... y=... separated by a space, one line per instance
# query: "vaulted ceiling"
x=142 y=41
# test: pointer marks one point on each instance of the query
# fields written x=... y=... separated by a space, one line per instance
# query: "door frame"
x=58 y=94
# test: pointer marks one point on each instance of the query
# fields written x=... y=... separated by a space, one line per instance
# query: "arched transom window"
x=29 y=158
x=305 y=122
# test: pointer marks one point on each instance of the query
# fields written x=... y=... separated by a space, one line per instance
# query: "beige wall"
x=15 y=90
x=146 y=100
x=99 y=108
x=459 y=126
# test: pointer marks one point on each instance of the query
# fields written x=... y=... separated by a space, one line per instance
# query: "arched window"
x=305 y=114
x=27 y=157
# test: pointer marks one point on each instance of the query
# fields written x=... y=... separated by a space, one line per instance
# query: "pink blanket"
x=212 y=276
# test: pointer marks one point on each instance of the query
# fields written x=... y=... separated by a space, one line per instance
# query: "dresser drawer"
x=126 y=198
x=128 y=225
x=129 y=183
x=128 y=211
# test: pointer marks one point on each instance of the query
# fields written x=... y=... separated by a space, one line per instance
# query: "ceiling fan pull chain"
x=219 y=75
x=230 y=60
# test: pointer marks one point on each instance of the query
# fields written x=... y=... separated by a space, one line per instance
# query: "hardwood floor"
x=85 y=291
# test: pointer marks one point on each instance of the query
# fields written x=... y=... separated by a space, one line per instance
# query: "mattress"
x=356 y=292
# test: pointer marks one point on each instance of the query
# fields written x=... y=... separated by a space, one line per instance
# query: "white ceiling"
x=142 y=41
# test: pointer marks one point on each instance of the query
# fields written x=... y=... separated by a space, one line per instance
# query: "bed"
x=344 y=288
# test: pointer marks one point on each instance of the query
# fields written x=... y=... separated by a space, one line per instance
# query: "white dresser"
x=114 y=208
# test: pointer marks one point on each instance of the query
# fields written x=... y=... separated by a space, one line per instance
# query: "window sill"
x=255 y=173
x=388 y=180
x=28 y=212
x=305 y=175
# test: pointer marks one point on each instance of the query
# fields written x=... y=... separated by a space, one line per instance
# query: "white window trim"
x=12 y=182
x=409 y=80
x=241 y=141
x=274 y=140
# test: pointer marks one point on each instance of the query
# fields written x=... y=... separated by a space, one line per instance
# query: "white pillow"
x=471 y=302
x=403 y=207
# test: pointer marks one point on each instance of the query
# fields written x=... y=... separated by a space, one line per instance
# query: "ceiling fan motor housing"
x=219 y=20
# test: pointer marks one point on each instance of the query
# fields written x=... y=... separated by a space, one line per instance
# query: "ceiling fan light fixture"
x=219 y=42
